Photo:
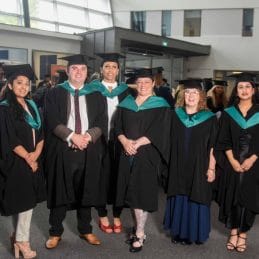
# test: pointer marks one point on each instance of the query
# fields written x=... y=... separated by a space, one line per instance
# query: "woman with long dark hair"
x=21 y=143
x=237 y=152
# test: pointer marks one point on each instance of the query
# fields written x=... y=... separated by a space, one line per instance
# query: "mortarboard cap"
x=77 y=59
x=17 y=70
x=220 y=82
x=244 y=77
x=192 y=83
x=144 y=72
x=157 y=70
x=112 y=57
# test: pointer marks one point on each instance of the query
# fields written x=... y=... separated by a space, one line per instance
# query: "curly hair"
x=202 y=105
x=15 y=107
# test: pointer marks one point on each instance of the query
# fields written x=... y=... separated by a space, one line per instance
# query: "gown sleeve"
x=224 y=141
x=159 y=131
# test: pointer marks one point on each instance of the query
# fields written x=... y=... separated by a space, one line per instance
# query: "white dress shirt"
x=111 y=104
x=83 y=114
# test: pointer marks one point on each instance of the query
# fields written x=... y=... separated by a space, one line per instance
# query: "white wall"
x=122 y=19
x=153 y=22
x=221 y=28
x=136 y=5
x=32 y=39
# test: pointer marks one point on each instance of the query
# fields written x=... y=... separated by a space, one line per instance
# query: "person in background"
x=75 y=124
x=216 y=97
x=40 y=93
x=237 y=152
x=191 y=167
x=138 y=127
x=2 y=77
x=21 y=144
x=162 y=90
x=113 y=93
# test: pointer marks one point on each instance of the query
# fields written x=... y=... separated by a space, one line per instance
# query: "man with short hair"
x=75 y=123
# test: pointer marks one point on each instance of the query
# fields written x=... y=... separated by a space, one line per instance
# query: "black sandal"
x=230 y=245
x=242 y=247
x=141 y=241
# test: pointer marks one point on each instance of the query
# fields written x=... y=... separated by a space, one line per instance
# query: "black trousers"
x=57 y=215
x=116 y=211
x=76 y=165
x=112 y=157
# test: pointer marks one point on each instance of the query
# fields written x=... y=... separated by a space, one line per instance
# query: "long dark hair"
x=15 y=107
x=234 y=99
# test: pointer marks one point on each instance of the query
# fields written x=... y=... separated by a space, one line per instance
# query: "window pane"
x=10 y=19
x=42 y=25
x=100 y=5
x=16 y=55
x=192 y=23
x=42 y=9
x=11 y=6
x=248 y=22
x=98 y=20
x=138 y=21
x=69 y=15
x=166 y=23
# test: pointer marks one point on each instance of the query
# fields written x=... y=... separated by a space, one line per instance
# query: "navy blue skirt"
x=186 y=219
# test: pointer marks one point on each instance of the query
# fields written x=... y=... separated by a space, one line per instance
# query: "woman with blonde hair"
x=216 y=96
x=191 y=167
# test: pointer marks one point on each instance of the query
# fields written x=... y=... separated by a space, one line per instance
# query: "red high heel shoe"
x=25 y=249
x=107 y=229
x=117 y=229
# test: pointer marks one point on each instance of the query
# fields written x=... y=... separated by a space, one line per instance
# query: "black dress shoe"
x=185 y=242
x=175 y=239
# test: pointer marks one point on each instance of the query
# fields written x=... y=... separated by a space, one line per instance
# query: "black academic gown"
x=137 y=185
x=111 y=158
x=190 y=152
x=231 y=191
x=21 y=188
x=59 y=185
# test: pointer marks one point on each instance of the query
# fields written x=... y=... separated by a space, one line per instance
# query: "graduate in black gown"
x=142 y=127
x=75 y=123
x=113 y=93
x=216 y=97
x=21 y=143
x=191 y=167
x=237 y=153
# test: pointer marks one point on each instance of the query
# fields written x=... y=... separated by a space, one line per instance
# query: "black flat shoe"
x=185 y=242
x=175 y=239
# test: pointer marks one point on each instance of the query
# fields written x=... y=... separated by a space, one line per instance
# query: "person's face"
x=77 y=74
x=110 y=71
x=191 y=97
x=245 y=91
x=219 y=89
x=145 y=86
x=20 y=86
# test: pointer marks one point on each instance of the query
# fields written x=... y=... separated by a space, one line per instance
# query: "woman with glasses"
x=191 y=167
x=237 y=152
